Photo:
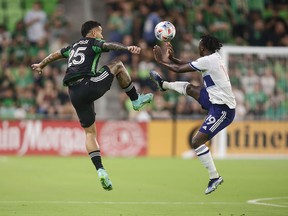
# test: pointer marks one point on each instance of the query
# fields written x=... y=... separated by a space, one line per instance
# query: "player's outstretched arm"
x=50 y=58
x=178 y=68
x=119 y=46
x=170 y=54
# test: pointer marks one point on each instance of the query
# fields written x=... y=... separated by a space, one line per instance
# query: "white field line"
x=263 y=201
x=119 y=203
x=260 y=201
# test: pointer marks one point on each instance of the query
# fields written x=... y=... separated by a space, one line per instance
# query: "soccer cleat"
x=142 y=100
x=157 y=79
x=213 y=184
x=104 y=179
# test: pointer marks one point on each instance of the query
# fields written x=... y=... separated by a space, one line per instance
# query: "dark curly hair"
x=211 y=43
x=87 y=26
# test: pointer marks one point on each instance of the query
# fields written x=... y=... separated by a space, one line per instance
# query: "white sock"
x=179 y=87
x=206 y=160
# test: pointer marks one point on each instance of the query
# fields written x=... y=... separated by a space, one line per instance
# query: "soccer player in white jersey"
x=215 y=96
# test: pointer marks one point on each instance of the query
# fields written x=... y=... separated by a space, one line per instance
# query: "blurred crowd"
x=24 y=93
x=242 y=23
x=259 y=82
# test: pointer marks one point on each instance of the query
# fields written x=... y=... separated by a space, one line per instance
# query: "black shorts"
x=84 y=93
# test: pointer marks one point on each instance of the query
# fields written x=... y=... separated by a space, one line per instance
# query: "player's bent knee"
x=120 y=66
x=115 y=66
x=118 y=63
x=190 y=89
x=193 y=91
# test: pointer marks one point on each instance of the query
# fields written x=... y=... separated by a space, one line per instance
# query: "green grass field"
x=59 y=186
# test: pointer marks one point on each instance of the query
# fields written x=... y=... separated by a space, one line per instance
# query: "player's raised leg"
x=138 y=100
x=163 y=85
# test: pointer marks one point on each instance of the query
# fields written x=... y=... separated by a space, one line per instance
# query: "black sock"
x=96 y=159
x=131 y=92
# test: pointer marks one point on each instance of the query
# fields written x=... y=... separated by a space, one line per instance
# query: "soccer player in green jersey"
x=87 y=83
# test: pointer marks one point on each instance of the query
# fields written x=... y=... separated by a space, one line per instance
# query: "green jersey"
x=83 y=58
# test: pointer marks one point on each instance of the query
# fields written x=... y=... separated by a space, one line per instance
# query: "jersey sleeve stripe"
x=195 y=68
x=65 y=52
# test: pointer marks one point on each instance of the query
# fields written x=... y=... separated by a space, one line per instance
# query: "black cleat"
x=157 y=79
x=213 y=184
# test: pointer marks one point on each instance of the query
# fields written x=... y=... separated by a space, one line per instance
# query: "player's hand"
x=37 y=67
x=170 y=51
x=157 y=53
x=134 y=49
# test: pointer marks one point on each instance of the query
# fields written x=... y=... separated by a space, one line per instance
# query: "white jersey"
x=216 y=79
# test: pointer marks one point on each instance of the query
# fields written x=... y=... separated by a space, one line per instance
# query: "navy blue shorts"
x=219 y=115
x=84 y=93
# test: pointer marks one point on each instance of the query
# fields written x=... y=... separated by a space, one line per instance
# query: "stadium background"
x=33 y=106
x=36 y=118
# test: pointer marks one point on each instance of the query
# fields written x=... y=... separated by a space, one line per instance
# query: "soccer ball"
x=165 y=31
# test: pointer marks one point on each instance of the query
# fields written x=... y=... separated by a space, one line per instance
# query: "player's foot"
x=142 y=100
x=213 y=184
x=157 y=79
x=104 y=179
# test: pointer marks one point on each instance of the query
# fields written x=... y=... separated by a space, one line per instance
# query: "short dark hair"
x=211 y=43
x=87 y=26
